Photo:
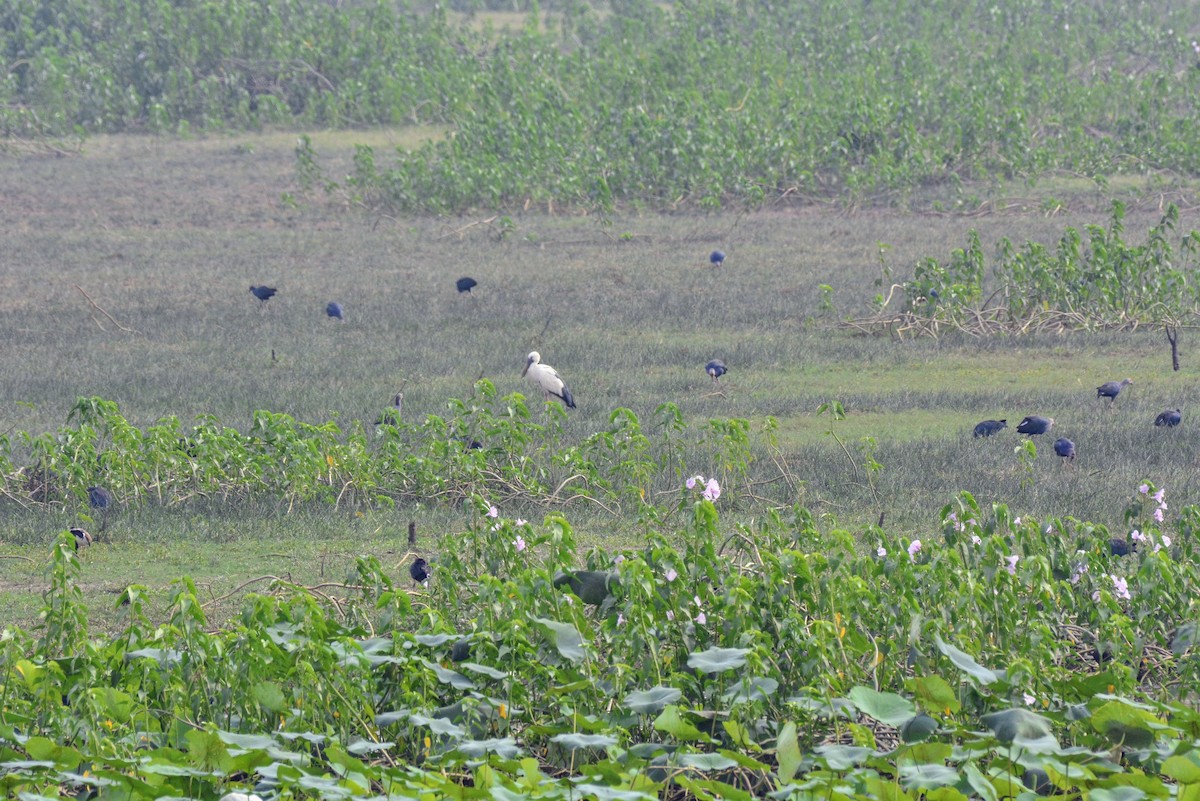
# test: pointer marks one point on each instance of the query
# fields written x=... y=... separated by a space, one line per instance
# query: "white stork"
x=545 y=378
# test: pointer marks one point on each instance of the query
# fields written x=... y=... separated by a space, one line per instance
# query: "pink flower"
x=670 y=615
x=691 y=482
x=620 y=618
x=1166 y=541
x=520 y=543
x=493 y=511
x=1012 y=564
x=1158 y=496
x=1029 y=699
x=521 y=521
x=1016 y=521
x=976 y=540
x=1137 y=536
x=1158 y=515
x=914 y=547
x=701 y=618
x=671 y=574
x=1144 y=488
x=1121 y=588
x=882 y=552
x=713 y=490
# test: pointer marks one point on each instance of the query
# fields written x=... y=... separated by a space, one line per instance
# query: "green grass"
x=166 y=236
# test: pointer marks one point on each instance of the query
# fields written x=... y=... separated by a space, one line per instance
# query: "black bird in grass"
x=1112 y=389
x=100 y=498
x=465 y=284
x=716 y=368
x=1065 y=448
x=263 y=293
x=716 y=258
x=82 y=538
x=1170 y=418
x=1035 y=424
x=419 y=570
x=391 y=415
x=989 y=427
x=335 y=310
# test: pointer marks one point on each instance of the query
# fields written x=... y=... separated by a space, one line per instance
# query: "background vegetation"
x=853 y=598
x=699 y=104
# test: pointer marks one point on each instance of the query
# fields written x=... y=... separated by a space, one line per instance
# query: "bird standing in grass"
x=1111 y=389
x=716 y=368
x=335 y=310
x=419 y=570
x=465 y=284
x=1065 y=448
x=391 y=415
x=82 y=538
x=1035 y=424
x=263 y=293
x=546 y=378
x=1170 y=418
x=989 y=427
x=716 y=258
x=100 y=498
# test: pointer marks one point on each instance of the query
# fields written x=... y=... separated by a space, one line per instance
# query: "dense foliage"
x=725 y=661
x=1101 y=281
x=696 y=104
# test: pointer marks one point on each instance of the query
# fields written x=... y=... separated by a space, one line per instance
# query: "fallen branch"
x=102 y=311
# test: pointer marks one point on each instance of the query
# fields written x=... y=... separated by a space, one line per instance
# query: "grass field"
x=125 y=272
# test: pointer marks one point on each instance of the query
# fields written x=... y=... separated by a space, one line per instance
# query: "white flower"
x=1029 y=699
x=914 y=547
x=1016 y=521
x=671 y=574
x=691 y=482
x=976 y=540
x=713 y=490
x=1166 y=540
x=520 y=543
x=882 y=552
x=1012 y=563
x=701 y=618
x=670 y=615
x=521 y=521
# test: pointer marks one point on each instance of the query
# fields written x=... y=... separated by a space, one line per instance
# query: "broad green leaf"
x=452 y=677
x=671 y=722
x=842 y=757
x=934 y=694
x=711 y=788
x=706 y=761
x=925 y=777
x=918 y=728
x=1116 y=794
x=981 y=784
x=715 y=659
x=270 y=696
x=1183 y=768
x=503 y=747
x=1017 y=724
x=603 y=793
x=1126 y=725
x=965 y=663
x=434 y=640
x=576 y=741
x=441 y=726
x=787 y=752
x=45 y=749
x=483 y=670
x=566 y=638
x=746 y=689
x=887 y=708
x=653 y=700
x=206 y=750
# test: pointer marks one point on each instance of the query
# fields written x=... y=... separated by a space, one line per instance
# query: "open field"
x=165 y=237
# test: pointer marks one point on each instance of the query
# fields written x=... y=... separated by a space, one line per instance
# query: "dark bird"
x=100 y=498
x=546 y=378
x=1112 y=389
x=1035 y=424
x=391 y=415
x=335 y=310
x=1120 y=547
x=716 y=368
x=1064 y=448
x=466 y=283
x=263 y=293
x=716 y=258
x=419 y=570
x=1170 y=418
x=989 y=427
x=82 y=538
